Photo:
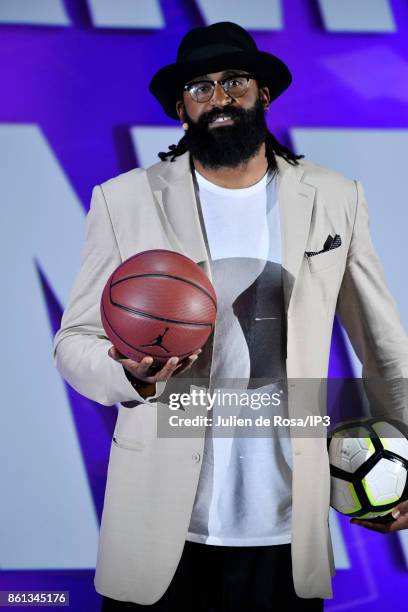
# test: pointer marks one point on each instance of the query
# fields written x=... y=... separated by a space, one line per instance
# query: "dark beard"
x=230 y=145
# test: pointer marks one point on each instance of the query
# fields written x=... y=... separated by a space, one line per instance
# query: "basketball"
x=159 y=304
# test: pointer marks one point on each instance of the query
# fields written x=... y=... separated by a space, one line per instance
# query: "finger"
x=174 y=367
x=166 y=371
x=123 y=360
x=141 y=370
x=385 y=524
x=188 y=361
x=400 y=509
x=400 y=523
x=112 y=352
x=115 y=354
x=136 y=368
x=185 y=364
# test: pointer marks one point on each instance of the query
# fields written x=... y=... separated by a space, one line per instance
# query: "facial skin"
x=232 y=153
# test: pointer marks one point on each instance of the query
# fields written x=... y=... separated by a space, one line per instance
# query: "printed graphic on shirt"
x=244 y=491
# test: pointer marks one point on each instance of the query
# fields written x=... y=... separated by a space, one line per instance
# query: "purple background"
x=85 y=87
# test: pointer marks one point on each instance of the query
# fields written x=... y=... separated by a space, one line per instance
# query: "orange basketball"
x=158 y=303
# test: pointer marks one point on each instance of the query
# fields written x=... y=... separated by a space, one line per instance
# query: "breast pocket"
x=324 y=260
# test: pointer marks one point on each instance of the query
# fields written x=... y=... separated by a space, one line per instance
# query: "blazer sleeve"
x=371 y=319
x=80 y=346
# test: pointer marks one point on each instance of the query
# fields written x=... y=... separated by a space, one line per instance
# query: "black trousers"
x=229 y=579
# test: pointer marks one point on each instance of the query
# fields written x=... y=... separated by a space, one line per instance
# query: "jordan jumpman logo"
x=157 y=341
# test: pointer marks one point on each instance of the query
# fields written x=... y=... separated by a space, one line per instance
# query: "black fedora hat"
x=213 y=48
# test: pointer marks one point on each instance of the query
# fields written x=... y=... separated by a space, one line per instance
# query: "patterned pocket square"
x=330 y=243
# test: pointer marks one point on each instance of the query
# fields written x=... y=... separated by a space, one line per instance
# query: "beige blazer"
x=152 y=481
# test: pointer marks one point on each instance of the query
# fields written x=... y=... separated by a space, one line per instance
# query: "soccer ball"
x=368 y=466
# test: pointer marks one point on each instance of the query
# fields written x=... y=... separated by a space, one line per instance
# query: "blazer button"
x=195 y=457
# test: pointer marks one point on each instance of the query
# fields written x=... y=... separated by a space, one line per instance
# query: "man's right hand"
x=140 y=369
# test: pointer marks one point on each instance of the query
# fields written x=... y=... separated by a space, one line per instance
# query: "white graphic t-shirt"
x=244 y=493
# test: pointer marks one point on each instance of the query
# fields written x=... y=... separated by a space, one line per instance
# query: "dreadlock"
x=272 y=148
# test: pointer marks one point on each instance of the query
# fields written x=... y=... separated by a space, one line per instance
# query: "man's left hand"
x=399 y=514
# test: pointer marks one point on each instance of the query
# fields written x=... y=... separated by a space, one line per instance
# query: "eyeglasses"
x=235 y=86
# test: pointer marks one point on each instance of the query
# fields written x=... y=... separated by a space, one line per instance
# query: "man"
x=186 y=524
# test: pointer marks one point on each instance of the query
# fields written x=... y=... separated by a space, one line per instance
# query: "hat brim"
x=167 y=84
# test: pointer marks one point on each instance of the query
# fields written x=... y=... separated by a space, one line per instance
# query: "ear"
x=264 y=95
x=180 y=109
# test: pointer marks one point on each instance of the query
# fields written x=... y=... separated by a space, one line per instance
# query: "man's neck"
x=241 y=176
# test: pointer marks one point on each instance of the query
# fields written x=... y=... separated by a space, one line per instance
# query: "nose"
x=219 y=96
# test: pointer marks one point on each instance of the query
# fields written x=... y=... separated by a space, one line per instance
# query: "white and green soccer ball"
x=368 y=467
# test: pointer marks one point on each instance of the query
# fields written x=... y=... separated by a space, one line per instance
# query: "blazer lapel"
x=296 y=200
x=177 y=197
